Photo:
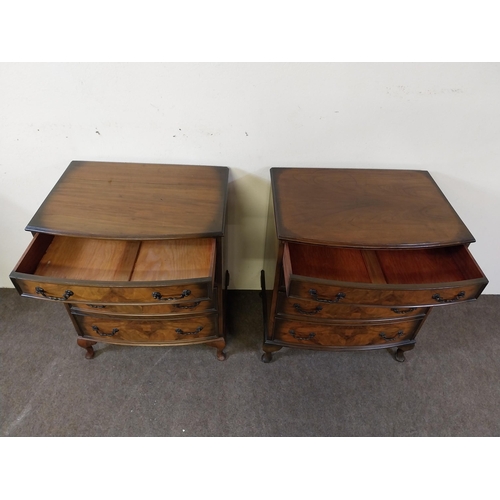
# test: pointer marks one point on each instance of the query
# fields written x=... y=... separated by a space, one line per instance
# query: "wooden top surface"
x=135 y=201
x=369 y=208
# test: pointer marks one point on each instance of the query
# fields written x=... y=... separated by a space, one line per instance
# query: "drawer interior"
x=429 y=265
x=316 y=261
x=174 y=260
x=415 y=266
x=119 y=260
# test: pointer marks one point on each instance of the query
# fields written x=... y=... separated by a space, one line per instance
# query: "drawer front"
x=104 y=293
x=117 y=330
x=313 y=309
x=322 y=292
x=147 y=310
x=110 y=272
x=344 y=335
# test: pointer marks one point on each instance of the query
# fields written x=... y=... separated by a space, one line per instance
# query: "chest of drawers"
x=135 y=252
x=362 y=257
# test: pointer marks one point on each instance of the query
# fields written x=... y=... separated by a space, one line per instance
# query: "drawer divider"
x=373 y=266
x=135 y=261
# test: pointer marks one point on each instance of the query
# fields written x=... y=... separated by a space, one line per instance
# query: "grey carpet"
x=449 y=385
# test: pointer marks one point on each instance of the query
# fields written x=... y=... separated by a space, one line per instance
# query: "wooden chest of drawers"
x=134 y=252
x=362 y=257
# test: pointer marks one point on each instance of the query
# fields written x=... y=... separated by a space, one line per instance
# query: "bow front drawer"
x=345 y=334
x=151 y=331
x=317 y=310
x=100 y=271
x=168 y=309
x=417 y=277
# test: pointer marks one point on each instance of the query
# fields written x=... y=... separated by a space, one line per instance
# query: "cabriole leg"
x=268 y=352
x=87 y=345
x=400 y=353
x=219 y=345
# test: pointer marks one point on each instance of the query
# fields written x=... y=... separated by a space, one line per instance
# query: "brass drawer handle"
x=158 y=296
x=295 y=336
x=403 y=311
x=182 y=332
x=299 y=309
x=438 y=297
x=314 y=294
x=182 y=306
x=387 y=339
x=113 y=331
x=67 y=294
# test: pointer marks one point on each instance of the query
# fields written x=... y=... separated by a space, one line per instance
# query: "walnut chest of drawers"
x=134 y=252
x=361 y=258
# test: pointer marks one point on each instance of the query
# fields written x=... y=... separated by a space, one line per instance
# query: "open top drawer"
x=416 y=277
x=116 y=271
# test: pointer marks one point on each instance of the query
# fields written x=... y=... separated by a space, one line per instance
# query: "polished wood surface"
x=364 y=256
x=348 y=334
x=134 y=252
x=106 y=293
x=135 y=201
x=170 y=309
x=322 y=291
x=367 y=208
x=303 y=308
x=149 y=331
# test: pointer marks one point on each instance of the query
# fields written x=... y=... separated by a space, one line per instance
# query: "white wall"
x=444 y=118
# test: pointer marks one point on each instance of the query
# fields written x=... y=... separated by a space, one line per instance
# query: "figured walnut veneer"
x=363 y=256
x=135 y=253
